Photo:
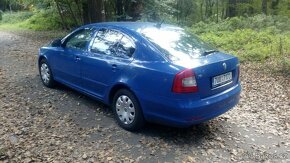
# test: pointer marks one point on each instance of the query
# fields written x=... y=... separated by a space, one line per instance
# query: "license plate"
x=222 y=79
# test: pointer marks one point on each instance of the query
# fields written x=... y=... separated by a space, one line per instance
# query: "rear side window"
x=106 y=42
x=113 y=43
x=80 y=39
x=126 y=47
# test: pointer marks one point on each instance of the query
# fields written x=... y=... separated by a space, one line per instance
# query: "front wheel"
x=45 y=74
x=127 y=110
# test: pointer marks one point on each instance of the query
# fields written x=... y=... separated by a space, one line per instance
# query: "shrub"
x=47 y=19
x=278 y=24
x=251 y=39
x=249 y=45
x=43 y=20
x=15 y=17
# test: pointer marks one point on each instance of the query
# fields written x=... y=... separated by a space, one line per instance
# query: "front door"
x=68 y=61
x=108 y=56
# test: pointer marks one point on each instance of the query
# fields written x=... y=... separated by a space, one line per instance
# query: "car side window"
x=125 y=48
x=106 y=42
x=80 y=40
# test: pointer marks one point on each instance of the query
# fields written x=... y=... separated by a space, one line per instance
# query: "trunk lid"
x=211 y=70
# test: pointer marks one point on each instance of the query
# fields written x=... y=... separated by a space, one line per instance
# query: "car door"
x=109 y=54
x=68 y=69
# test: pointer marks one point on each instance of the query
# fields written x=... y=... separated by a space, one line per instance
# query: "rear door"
x=109 y=54
x=68 y=62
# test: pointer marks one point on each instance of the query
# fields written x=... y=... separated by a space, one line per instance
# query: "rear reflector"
x=185 y=82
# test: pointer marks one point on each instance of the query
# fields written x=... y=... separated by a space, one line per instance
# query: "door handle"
x=114 y=67
x=77 y=58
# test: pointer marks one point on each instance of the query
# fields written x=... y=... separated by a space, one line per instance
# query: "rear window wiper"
x=210 y=52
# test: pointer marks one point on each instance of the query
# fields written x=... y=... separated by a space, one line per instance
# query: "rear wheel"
x=45 y=74
x=127 y=110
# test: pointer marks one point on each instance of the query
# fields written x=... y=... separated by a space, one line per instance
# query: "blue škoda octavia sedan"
x=145 y=72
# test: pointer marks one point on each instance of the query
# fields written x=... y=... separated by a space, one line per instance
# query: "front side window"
x=113 y=43
x=80 y=39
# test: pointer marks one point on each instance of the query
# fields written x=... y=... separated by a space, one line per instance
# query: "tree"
x=264 y=7
x=73 y=13
x=231 y=8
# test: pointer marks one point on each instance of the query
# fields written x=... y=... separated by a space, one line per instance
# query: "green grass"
x=250 y=45
x=37 y=20
x=42 y=20
x=15 y=17
x=12 y=20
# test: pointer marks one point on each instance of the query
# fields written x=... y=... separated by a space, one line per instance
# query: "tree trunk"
x=61 y=16
x=92 y=13
x=201 y=11
x=72 y=13
x=10 y=7
x=85 y=8
x=274 y=6
x=264 y=7
x=135 y=10
x=78 y=3
x=120 y=10
x=231 y=10
x=96 y=11
x=217 y=11
x=100 y=10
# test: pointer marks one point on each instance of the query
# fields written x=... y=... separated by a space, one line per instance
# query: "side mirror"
x=56 y=43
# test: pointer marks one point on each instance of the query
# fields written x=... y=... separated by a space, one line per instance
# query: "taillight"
x=185 y=82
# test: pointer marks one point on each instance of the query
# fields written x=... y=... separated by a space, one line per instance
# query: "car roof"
x=133 y=26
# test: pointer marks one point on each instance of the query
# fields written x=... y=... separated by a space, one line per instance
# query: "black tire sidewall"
x=51 y=82
x=138 y=121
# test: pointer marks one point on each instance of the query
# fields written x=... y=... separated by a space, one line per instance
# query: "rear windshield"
x=176 y=43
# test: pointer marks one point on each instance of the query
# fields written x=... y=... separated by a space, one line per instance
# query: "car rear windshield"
x=177 y=43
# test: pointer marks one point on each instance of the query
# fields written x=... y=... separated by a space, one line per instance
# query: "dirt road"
x=40 y=124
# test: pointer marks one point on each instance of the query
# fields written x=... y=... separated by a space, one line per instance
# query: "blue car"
x=146 y=72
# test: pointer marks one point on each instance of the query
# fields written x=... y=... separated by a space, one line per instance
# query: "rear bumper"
x=184 y=113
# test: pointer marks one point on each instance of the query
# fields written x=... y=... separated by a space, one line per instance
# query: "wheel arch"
x=41 y=58
x=120 y=86
x=115 y=89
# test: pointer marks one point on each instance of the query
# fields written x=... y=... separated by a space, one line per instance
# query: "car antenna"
x=158 y=25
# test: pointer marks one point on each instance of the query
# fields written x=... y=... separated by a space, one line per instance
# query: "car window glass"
x=176 y=43
x=106 y=42
x=80 y=40
x=125 y=48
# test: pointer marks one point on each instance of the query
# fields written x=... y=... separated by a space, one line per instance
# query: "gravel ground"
x=38 y=124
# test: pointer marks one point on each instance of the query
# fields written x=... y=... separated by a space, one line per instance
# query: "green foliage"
x=43 y=20
x=247 y=44
x=38 y=20
x=277 y=24
x=15 y=17
x=251 y=39
x=286 y=65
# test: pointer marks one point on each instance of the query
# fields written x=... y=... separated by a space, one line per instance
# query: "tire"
x=46 y=74
x=127 y=110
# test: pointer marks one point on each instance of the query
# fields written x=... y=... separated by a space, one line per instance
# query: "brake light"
x=185 y=82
